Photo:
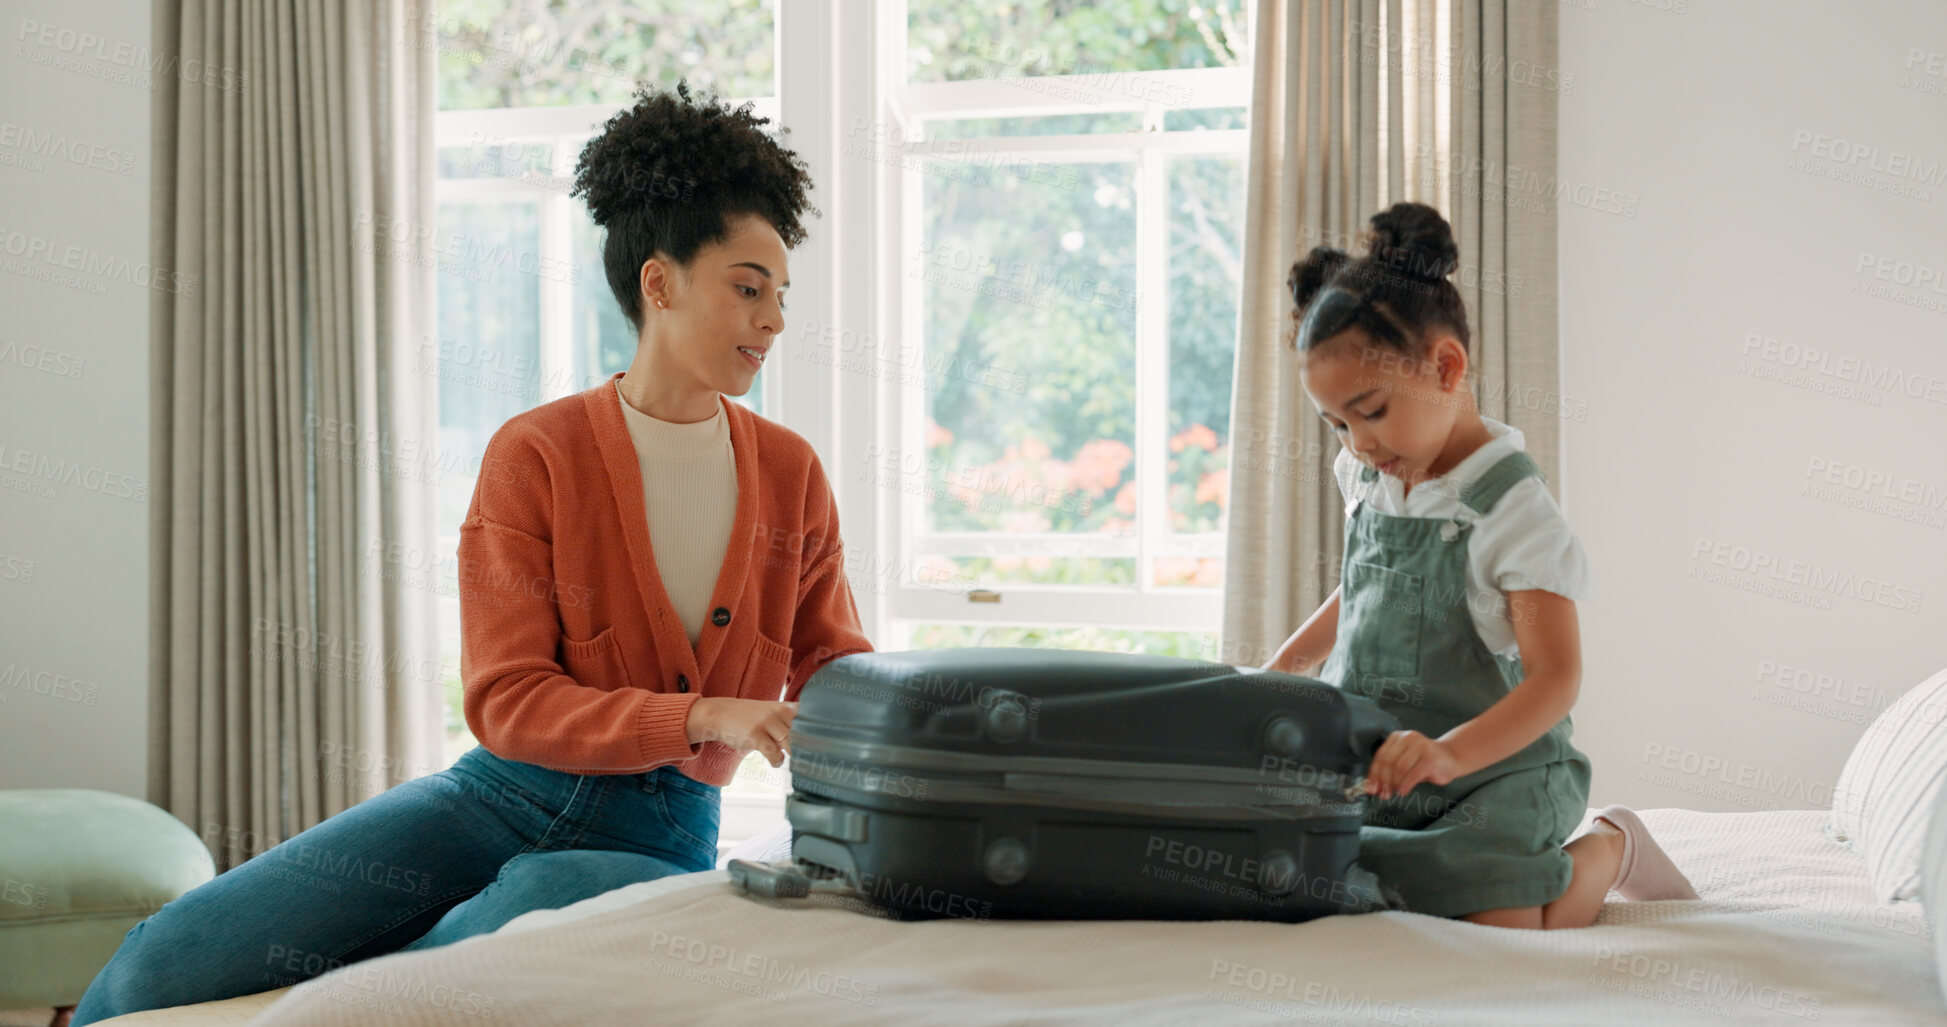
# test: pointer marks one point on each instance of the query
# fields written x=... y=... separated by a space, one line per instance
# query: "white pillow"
x=1886 y=792
x=771 y=845
x=1933 y=883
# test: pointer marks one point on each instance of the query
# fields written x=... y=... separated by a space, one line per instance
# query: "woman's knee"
x=143 y=974
x=579 y=873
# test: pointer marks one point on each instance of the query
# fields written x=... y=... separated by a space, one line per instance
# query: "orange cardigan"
x=570 y=653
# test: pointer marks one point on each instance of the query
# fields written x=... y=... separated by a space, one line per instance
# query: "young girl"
x=1455 y=610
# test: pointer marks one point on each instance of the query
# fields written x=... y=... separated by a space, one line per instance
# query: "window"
x=1070 y=208
x=1034 y=207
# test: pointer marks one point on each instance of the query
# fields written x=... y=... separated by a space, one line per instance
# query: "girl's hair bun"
x=1312 y=273
x=1414 y=240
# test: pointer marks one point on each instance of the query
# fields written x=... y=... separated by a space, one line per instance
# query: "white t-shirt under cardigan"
x=1523 y=543
x=689 y=493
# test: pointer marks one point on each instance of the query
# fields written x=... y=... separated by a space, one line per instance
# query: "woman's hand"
x=1407 y=758
x=743 y=725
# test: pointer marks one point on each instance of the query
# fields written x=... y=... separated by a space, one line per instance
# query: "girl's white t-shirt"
x=1523 y=543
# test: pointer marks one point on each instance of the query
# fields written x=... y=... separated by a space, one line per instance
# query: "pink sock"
x=1646 y=873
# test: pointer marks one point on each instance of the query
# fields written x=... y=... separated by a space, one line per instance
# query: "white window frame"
x=1144 y=607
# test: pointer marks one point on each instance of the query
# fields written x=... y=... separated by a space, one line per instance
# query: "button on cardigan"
x=571 y=655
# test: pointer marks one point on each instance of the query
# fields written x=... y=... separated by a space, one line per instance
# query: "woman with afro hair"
x=648 y=574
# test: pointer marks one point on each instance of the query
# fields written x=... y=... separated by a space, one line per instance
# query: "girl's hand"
x=1407 y=758
x=743 y=725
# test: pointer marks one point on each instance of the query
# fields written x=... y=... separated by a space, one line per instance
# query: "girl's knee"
x=1526 y=917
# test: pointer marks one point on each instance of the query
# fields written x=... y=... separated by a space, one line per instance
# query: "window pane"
x=1027 y=286
x=603 y=341
x=954 y=572
x=487 y=361
x=1206 y=117
x=497 y=157
x=459 y=737
x=1206 y=235
x=950 y=40
x=489 y=336
x=503 y=53
x=1194 y=645
x=1051 y=125
x=756 y=776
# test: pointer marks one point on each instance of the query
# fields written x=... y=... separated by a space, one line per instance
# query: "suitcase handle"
x=771 y=880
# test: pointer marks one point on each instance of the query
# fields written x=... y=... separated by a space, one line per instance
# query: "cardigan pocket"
x=596 y=662
x=764 y=674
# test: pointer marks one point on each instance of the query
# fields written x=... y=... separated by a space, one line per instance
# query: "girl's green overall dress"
x=1406 y=640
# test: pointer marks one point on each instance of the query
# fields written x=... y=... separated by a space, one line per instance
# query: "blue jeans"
x=428 y=862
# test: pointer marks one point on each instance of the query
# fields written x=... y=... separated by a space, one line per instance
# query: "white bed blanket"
x=1787 y=931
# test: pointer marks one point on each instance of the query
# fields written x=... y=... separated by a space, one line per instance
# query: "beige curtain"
x=293 y=646
x=1356 y=105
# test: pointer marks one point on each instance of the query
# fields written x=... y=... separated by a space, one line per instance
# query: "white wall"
x=74 y=369
x=1692 y=437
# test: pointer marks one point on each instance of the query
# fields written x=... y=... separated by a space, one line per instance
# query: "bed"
x=1787 y=931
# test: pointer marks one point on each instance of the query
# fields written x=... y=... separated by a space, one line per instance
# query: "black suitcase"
x=1035 y=783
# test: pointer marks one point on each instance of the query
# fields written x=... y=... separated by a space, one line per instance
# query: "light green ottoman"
x=78 y=868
